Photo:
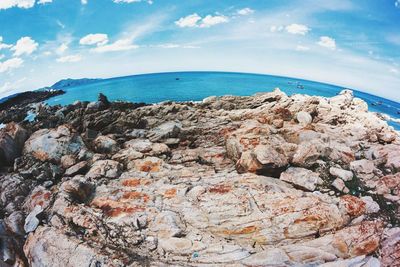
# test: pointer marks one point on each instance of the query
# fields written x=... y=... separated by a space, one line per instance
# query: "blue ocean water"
x=195 y=86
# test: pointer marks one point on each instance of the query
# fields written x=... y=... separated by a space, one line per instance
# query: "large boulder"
x=169 y=129
x=52 y=144
x=12 y=139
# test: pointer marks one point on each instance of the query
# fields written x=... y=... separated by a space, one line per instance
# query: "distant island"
x=72 y=82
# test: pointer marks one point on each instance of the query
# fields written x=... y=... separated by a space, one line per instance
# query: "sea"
x=195 y=86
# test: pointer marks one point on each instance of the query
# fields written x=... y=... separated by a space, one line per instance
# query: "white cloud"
x=119 y=45
x=302 y=48
x=188 y=21
x=94 y=39
x=12 y=63
x=195 y=20
x=394 y=71
x=4 y=4
x=25 y=45
x=83 y=2
x=275 y=28
x=44 y=1
x=61 y=49
x=210 y=20
x=70 y=58
x=2 y=56
x=397 y=3
x=3 y=45
x=327 y=42
x=59 y=23
x=172 y=45
x=297 y=29
x=8 y=87
x=245 y=11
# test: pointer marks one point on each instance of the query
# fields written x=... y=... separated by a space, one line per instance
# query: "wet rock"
x=301 y=177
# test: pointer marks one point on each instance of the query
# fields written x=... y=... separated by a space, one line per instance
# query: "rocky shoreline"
x=266 y=180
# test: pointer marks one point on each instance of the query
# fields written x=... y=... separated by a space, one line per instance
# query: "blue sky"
x=353 y=44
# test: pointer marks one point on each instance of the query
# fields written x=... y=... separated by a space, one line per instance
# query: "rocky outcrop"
x=12 y=139
x=53 y=144
x=266 y=180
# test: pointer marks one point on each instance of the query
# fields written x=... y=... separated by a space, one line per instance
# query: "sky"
x=350 y=43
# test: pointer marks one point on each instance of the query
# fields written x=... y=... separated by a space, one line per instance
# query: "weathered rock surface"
x=52 y=144
x=267 y=180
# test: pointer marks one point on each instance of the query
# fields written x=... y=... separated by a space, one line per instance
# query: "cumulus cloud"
x=83 y=2
x=25 y=45
x=245 y=11
x=195 y=20
x=297 y=29
x=44 y=1
x=94 y=39
x=327 y=42
x=188 y=21
x=70 y=58
x=9 y=64
x=210 y=20
x=119 y=45
x=4 y=4
x=397 y=3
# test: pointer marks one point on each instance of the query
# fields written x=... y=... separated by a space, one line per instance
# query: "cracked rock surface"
x=266 y=180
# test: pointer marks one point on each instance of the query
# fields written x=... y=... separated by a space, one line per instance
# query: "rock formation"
x=266 y=180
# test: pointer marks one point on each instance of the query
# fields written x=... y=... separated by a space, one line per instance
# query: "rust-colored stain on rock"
x=220 y=189
x=149 y=166
x=43 y=156
x=308 y=219
x=131 y=182
x=244 y=231
x=40 y=197
x=366 y=247
x=353 y=205
x=112 y=208
x=170 y=193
